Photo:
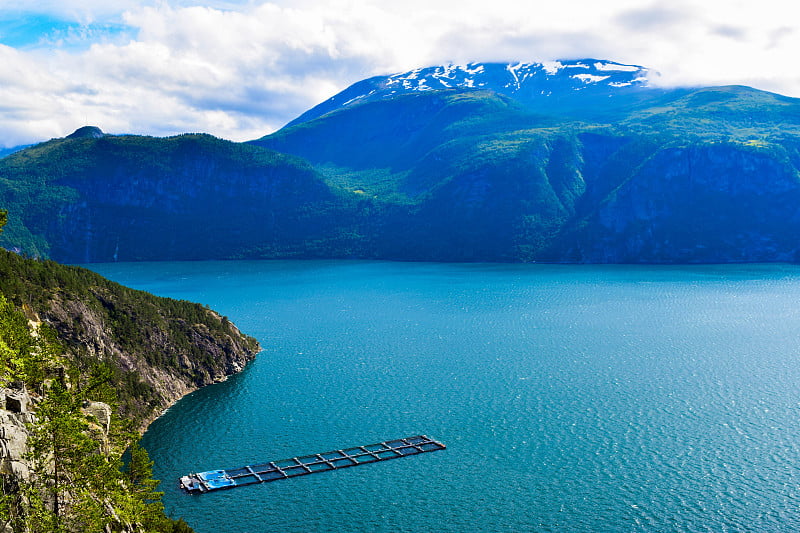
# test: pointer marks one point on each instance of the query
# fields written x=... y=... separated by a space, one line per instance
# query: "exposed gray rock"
x=16 y=401
x=101 y=413
x=87 y=132
x=14 y=433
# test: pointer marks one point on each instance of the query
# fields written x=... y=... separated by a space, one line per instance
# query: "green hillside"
x=84 y=364
x=134 y=338
x=684 y=175
x=477 y=177
x=448 y=132
x=139 y=198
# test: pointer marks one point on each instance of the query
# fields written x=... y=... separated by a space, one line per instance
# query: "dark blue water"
x=581 y=398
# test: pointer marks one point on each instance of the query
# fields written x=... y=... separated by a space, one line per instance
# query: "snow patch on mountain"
x=590 y=78
x=515 y=75
x=522 y=77
x=616 y=67
x=552 y=67
x=476 y=69
x=529 y=83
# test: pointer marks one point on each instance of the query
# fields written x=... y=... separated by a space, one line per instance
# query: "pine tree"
x=142 y=486
x=65 y=457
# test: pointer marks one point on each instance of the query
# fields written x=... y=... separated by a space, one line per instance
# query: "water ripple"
x=571 y=398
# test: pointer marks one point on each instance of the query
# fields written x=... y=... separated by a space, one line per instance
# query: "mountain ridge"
x=453 y=174
x=94 y=199
x=533 y=84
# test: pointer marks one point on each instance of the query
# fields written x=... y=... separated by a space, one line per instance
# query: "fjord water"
x=571 y=398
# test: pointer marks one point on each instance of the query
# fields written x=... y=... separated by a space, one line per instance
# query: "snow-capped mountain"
x=532 y=84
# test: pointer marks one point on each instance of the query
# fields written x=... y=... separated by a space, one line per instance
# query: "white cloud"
x=242 y=69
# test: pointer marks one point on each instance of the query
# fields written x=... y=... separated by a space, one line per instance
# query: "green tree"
x=15 y=339
x=140 y=474
x=147 y=507
x=78 y=483
x=65 y=457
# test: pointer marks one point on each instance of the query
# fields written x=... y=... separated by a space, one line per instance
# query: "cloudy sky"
x=242 y=69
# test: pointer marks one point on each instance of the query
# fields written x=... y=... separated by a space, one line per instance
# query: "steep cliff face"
x=17 y=415
x=155 y=350
x=169 y=357
x=109 y=198
x=709 y=202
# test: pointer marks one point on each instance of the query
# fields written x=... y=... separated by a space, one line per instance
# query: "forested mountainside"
x=101 y=198
x=152 y=350
x=576 y=161
x=85 y=364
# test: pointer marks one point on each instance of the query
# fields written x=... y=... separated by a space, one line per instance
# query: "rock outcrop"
x=15 y=417
x=87 y=132
x=88 y=334
x=153 y=350
x=202 y=356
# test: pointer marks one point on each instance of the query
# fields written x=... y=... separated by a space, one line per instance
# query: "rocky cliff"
x=70 y=341
x=154 y=350
x=691 y=203
x=15 y=417
x=171 y=356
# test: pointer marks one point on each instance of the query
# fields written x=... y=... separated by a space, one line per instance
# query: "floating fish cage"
x=212 y=480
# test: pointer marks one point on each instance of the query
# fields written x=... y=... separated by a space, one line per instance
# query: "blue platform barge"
x=212 y=480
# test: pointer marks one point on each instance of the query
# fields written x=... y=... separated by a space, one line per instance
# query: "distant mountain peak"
x=531 y=83
x=515 y=76
x=87 y=132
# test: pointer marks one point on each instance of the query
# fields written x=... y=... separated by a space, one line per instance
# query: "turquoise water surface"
x=571 y=398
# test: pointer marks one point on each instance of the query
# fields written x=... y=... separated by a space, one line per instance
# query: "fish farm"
x=212 y=480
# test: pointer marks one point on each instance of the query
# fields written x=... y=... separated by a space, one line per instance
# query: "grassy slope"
x=464 y=129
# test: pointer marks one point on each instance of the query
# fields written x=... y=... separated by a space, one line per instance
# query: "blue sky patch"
x=28 y=30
